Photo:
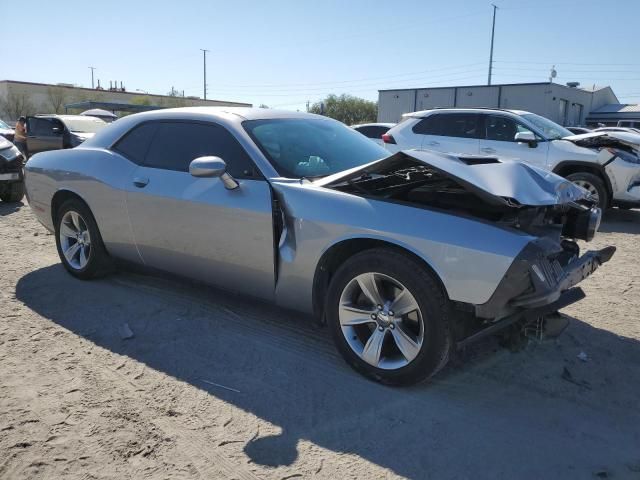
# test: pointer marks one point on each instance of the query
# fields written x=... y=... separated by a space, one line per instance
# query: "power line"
x=566 y=63
x=355 y=80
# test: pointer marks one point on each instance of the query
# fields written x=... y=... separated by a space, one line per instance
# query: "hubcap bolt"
x=373 y=316
x=392 y=326
x=380 y=307
x=391 y=313
x=381 y=328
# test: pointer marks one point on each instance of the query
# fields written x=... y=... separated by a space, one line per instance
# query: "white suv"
x=605 y=163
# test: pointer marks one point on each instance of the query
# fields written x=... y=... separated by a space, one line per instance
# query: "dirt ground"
x=212 y=386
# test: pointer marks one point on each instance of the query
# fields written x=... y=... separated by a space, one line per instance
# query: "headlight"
x=625 y=156
x=583 y=225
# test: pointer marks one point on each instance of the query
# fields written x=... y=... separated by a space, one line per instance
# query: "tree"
x=14 y=105
x=56 y=98
x=347 y=109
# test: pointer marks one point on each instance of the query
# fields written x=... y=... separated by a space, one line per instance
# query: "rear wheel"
x=13 y=192
x=389 y=317
x=594 y=185
x=79 y=242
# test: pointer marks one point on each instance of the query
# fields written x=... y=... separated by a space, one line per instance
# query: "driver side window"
x=176 y=144
x=502 y=129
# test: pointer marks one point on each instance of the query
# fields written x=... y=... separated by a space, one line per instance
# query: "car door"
x=499 y=140
x=195 y=227
x=456 y=133
x=44 y=134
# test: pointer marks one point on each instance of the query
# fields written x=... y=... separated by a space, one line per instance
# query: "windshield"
x=550 y=129
x=84 y=125
x=299 y=147
x=3 y=125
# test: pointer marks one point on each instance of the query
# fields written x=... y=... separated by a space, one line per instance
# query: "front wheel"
x=79 y=242
x=594 y=185
x=389 y=317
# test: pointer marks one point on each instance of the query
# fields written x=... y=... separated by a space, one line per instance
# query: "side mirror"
x=212 y=167
x=527 y=137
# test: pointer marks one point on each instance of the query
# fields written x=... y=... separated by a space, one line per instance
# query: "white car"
x=605 y=163
x=617 y=129
x=374 y=131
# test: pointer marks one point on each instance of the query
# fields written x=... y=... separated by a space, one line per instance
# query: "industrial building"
x=26 y=98
x=568 y=105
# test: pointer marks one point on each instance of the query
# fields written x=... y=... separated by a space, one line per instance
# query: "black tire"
x=598 y=184
x=14 y=193
x=98 y=261
x=431 y=299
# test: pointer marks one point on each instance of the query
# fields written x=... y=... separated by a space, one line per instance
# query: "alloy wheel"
x=381 y=321
x=588 y=186
x=75 y=240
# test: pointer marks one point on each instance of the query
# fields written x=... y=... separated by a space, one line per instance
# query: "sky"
x=283 y=53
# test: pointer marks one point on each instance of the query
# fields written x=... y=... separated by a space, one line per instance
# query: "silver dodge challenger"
x=406 y=258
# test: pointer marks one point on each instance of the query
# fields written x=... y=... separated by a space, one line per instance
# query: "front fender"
x=469 y=256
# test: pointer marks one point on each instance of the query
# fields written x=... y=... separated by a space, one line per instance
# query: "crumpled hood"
x=606 y=139
x=502 y=182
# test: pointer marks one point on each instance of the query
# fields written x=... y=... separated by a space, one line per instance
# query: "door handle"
x=140 y=182
x=488 y=150
x=433 y=143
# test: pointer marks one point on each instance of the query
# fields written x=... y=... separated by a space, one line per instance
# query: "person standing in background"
x=20 y=138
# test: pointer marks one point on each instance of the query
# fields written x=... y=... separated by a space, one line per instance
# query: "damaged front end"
x=511 y=195
x=619 y=155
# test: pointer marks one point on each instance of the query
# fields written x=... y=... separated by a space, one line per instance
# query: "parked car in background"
x=56 y=132
x=11 y=173
x=617 y=129
x=629 y=123
x=578 y=130
x=405 y=257
x=374 y=131
x=6 y=131
x=607 y=164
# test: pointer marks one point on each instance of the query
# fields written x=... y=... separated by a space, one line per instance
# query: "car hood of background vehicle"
x=606 y=139
x=500 y=182
x=83 y=135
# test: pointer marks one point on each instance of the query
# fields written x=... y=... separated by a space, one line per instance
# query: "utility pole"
x=204 y=59
x=92 y=69
x=493 y=31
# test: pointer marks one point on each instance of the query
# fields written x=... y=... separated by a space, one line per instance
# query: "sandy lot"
x=214 y=387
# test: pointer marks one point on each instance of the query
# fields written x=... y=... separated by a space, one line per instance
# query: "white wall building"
x=566 y=105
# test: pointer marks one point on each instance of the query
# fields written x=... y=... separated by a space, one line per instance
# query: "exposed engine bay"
x=405 y=179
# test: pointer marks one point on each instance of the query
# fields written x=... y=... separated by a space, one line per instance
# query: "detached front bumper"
x=539 y=276
x=544 y=286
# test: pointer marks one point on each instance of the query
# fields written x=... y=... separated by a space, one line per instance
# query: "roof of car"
x=246 y=113
x=65 y=117
x=423 y=113
x=374 y=124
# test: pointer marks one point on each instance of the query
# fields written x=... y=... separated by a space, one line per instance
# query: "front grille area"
x=13 y=166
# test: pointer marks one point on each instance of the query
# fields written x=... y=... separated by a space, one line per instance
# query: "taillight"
x=387 y=138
